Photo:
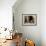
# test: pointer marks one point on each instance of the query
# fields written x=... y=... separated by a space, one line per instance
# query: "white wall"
x=43 y=22
x=28 y=7
x=37 y=33
x=6 y=13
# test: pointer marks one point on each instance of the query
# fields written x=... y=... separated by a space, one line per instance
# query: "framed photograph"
x=29 y=19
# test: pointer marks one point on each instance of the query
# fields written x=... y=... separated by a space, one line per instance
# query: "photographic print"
x=29 y=19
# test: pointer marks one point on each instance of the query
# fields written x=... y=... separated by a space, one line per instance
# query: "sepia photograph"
x=29 y=19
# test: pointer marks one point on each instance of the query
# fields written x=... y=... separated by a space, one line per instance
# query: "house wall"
x=36 y=33
x=28 y=7
x=43 y=22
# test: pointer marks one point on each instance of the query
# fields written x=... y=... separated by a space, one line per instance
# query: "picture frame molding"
x=29 y=15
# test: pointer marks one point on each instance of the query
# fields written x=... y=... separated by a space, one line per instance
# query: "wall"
x=43 y=22
x=28 y=7
x=6 y=13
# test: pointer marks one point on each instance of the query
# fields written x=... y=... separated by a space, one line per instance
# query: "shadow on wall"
x=18 y=3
